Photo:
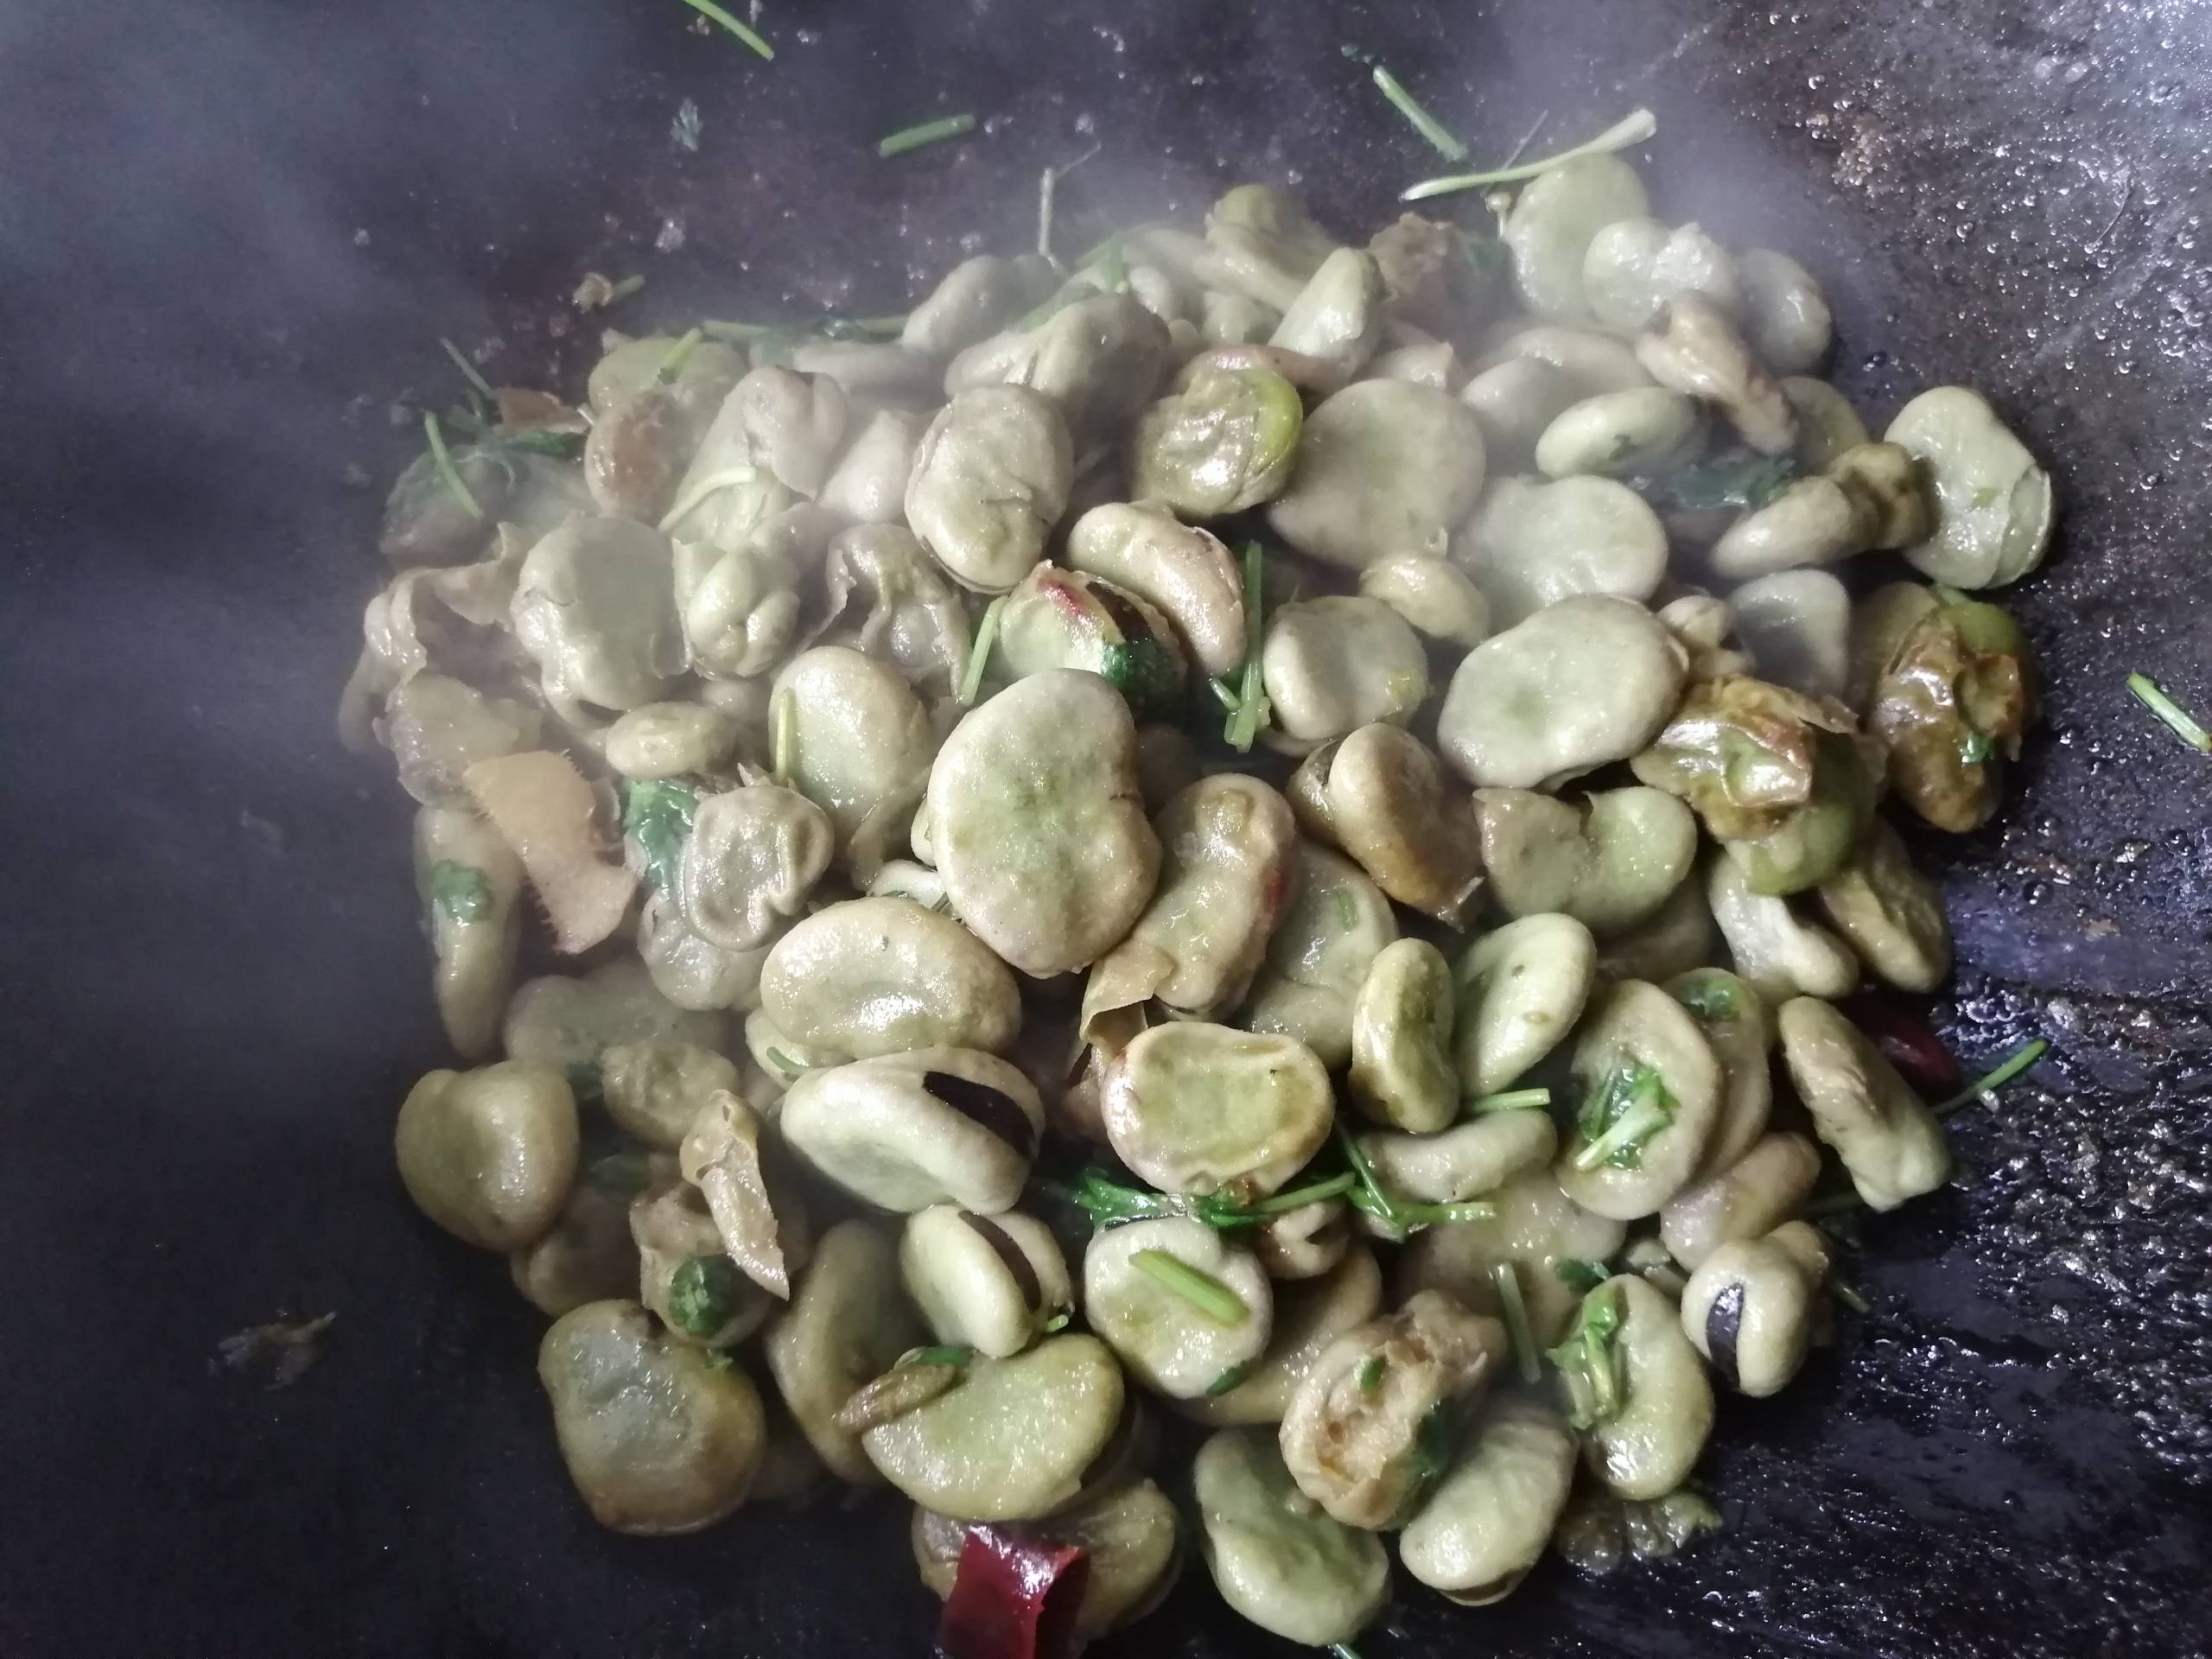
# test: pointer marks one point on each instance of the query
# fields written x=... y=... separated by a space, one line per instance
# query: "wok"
x=229 y=237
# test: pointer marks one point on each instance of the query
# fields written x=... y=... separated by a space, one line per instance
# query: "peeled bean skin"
x=1168 y=1345
x=1487 y=1522
x=1280 y=1563
x=1648 y=1447
x=1037 y=824
x=1890 y=1143
x=1355 y=1450
x=1749 y=1199
x=883 y=975
x=1580 y=683
x=1012 y=1439
x=656 y=1439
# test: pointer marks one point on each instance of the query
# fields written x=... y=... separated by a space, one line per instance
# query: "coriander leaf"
x=1232 y=1378
x=657 y=815
x=1591 y=1362
x=1735 y=477
x=1370 y=1373
x=1627 y=1107
x=460 y=890
x=1579 y=1274
x=704 y=1295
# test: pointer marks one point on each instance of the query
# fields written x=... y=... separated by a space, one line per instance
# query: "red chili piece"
x=1906 y=1041
x=1013 y=1597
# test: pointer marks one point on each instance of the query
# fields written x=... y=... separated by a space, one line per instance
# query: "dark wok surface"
x=229 y=236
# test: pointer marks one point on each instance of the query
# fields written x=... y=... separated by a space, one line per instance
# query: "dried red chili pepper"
x=1906 y=1040
x=1013 y=1597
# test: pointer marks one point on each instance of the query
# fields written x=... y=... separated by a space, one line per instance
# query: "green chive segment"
x=1506 y=1278
x=1997 y=1079
x=450 y=473
x=1633 y=128
x=1201 y=1290
x=2183 y=724
x=928 y=132
x=708 y=9
x=1425 y=124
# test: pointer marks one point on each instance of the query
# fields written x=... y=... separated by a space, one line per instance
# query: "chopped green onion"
x=1513 y=1100
x=1201 y=1290
x=1633 y=128
x=625 y=289
x=460 y=890
x=1224 y=693
x=783 y=742
x=1579 y=1274
x=708 y=8
x=1234 y=1377
x=783 y=1062
x=469 y=372
x=673 y=362
x=1370 y=1373
x=1507 y=1280
x=1850 y=1298
x=657 y=815
x=1048 y=189
x=1630 y=1106
x=1397 y=1216
x=447 y=471
x=1425 y=124
x=1591 y=1362
x=1251 y=711
x=1343 y=1650
x=1058 y=1322
x=2184 y=724
x=1996 y=1079
x=986 y=633
x=952 y=1354
x=1976 y=748
x=929 y=132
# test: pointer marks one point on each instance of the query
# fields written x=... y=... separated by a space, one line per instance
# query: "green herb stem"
x=1224 y=693
x=1581 y=1274
x=1201 y=1290
x=1425 y=124
x=461 y=892
x=783 y=741
x=2179 y=719
x=1632 y=128
x=1643 y=1118
x=1370 y=1377
x=1513 y=1100
x=1994 y=1080
x=1850 y=1298
x=1251 y=711
x=927 y=132
x=672 y=364
x=1048 y=189
x=1343 y=1650
x=442 y=459
x=1320 y=1192
x=1235 y=1377
x=708 y=8
x=477 y=383
x=986 y=634
x=952 y=1354
x=1058 y=1322
x=1506 y=1279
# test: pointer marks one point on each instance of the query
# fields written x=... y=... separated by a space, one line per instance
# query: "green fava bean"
x=1651 y=1098
x=1488 y=1519
x=1773 y=948
x=854 y=737
x=1748 y=1198
x=1748 y=1309
x=991 y=478
x=1037 y=824
x=1890 y=1144
x=656 y=1089
x=1319 y=955
x=883 y=975
x=490 y=1154
x=1891 y=913
x=1384 y=468
x=1993 y=506
x=1464 y=1161
x=1553 y=222
x=1609 y=864
x=1131 y=1539
x=657 y=1438
x=1196 y=1107
x=589 y=1256
x=1276 y=1560
x=1533 y=543
x=1333 y=665
x=1620 y=434
x=1184 y=571
x=1734 y=1019
x=1310 y=1315
x=1402 y=1056
x=1011 y=1441
x=847 y=1324
x=1064 y=618
x=986 y=1282
x=1533 y=1228
x=469 y=881
x=1649 y=1445
x=1785 y=315
x=1170 y=1343
x=906 y=1131
x=1522 y=988
x=1224 y=443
